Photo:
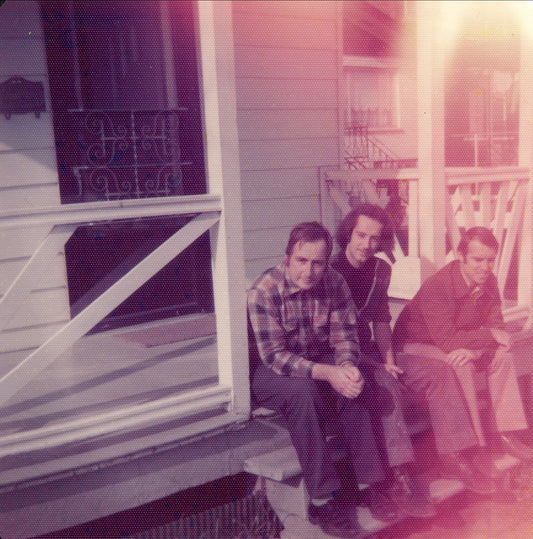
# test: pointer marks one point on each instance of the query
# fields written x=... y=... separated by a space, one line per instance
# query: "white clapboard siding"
x=28 y=179
x=268 y=31
x=290 y=183
x=20 y=19
x=287 y=66
x=26 y=167
x=287 y=124
x=25 y=132
x=13 y=247
x=25 y=57
x=53 y=277
x=41 y=307
x=279 y=213
x=28 y=337
x=319 y=10
x=281 y=64
x=255 y=267
x=298 y=153
x=283 y=93
x=267 y=243
x=46 y=194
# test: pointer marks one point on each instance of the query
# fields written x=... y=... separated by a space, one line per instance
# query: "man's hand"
x=346 y=380
x=393 y=369
x=501 y=337
x=461 y=356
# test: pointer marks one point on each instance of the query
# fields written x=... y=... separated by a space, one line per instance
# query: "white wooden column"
x=432 y=184
x=223 y=169
x=525 y=155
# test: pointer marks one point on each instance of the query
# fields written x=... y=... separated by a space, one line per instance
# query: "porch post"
x=223 y=167
x=525 y=157
x=432 y=182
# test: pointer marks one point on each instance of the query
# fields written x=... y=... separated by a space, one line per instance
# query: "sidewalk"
x=465 y=517
x=507 y=515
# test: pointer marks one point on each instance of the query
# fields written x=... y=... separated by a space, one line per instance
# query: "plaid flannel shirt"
x=293 y=328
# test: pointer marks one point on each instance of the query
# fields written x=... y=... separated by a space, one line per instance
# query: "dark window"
x=127 y=119
x=125 y=99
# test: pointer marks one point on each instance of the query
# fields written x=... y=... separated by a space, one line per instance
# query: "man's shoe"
x=457 y=466
x=381 y=506
x=512 y=445
x=483 y=460
x=410 y=497
x=333 y=519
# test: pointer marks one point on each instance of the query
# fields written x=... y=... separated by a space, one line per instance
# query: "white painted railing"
x=343 y=189
x=490 y=197
x=61 y=222
x=494 y=198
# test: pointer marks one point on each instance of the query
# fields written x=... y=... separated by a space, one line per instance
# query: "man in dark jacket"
x=450 y=329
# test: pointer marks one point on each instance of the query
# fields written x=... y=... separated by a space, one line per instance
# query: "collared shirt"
x=369 y=285
x=447 y=313
x=293 y=328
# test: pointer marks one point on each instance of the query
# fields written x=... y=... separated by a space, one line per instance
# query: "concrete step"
x=280 y=474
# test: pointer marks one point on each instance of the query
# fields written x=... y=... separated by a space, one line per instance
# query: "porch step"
x=279 y=473
x=283 y=464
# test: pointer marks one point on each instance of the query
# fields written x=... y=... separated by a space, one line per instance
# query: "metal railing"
x=123 y=154
x=363 y=151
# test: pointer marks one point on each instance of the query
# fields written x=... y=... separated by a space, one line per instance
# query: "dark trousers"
x=307 y=406
x=383 y=398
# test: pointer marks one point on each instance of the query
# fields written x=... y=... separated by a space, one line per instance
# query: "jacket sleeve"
x=437 y=307
x=379 y=304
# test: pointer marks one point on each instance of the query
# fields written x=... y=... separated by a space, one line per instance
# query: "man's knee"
x=443 y=380
x=501 y=359
x=279 y=392
x=302 y=392
x=434 y=377
x=381 y=391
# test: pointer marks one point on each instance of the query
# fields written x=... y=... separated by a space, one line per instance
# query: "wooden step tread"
x=282 y=464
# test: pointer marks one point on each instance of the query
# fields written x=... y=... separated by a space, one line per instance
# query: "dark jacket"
x=446 y=313
x=369 y=285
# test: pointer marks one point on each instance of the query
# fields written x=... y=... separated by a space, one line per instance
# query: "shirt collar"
x=462 y=288
x=288 y=287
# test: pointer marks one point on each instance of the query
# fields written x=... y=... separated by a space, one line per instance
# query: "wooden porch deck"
x=50 y=488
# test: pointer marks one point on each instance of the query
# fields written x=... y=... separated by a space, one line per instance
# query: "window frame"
x=387 y=65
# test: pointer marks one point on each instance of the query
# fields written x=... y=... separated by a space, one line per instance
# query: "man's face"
x=307 y=263
x=364 y=241
x=478 y=262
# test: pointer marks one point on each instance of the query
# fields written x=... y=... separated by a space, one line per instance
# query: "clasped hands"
x=345 y=379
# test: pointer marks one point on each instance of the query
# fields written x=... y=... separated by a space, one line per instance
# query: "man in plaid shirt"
x=304 y=356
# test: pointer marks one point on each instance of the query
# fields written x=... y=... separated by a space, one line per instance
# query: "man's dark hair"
x=372 y=211
x=480 y=233
x=309 y=232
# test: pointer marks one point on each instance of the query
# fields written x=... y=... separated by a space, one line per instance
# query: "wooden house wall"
x=28 y=178
x=287 y=59
x=287 y=85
